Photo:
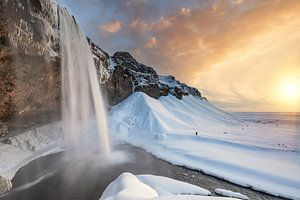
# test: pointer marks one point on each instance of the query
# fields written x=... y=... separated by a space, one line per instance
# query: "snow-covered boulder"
x=128 y=187
x=141 y=187
x=165 y=186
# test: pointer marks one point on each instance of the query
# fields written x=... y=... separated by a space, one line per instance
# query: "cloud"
x=185 y=11
x=216 y=34
x=242 y=42
x=151 y=43
x=237 y=1
x=111 y=27
x=218 y=45
x=138 y=25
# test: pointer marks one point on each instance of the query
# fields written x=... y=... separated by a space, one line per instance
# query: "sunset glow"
x=291 y=91
x=235 y=52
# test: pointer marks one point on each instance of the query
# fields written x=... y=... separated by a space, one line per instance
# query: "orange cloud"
x=185 y=11
x=229 y=38
x=151 y=43
x=237 y=1
x=139 y=25
x=111 y=27
x=233 y=50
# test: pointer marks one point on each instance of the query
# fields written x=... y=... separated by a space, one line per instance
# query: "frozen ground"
x=141 y=187
x=263 y=155
x=19 y=150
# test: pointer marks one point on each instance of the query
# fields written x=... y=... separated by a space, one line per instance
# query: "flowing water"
x=82 y=101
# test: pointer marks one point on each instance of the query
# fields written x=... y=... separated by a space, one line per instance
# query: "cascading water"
x=82 y=101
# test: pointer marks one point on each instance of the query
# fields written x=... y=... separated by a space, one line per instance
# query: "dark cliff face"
x=30 y=87
x=122 y=75
x=29 y=67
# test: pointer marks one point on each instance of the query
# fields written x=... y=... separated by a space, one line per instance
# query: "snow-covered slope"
x=140 y=114
x=243 y=152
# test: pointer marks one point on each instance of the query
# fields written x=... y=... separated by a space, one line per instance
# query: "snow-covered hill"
x=141 y=114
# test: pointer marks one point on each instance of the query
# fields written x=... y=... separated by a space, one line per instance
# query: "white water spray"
x=82 y=101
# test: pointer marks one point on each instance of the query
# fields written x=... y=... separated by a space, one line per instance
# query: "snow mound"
x=166 y=186
x=228 y=193
x=130 y=187
x=142 y=115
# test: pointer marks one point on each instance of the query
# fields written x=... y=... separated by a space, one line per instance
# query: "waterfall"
x=82 y=101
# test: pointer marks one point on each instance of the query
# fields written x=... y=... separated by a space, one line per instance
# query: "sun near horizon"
x=290 y=89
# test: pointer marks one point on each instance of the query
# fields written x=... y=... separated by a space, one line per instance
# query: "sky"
x=243 y=55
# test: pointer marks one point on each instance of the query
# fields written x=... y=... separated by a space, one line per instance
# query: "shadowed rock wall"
x=29 y=67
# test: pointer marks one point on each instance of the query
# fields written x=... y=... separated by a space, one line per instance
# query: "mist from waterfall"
x=82 y=102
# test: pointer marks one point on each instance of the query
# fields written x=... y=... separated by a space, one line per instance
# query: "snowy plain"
x=263 y=156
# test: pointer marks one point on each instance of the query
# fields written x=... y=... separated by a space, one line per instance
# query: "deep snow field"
x=254 y=150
